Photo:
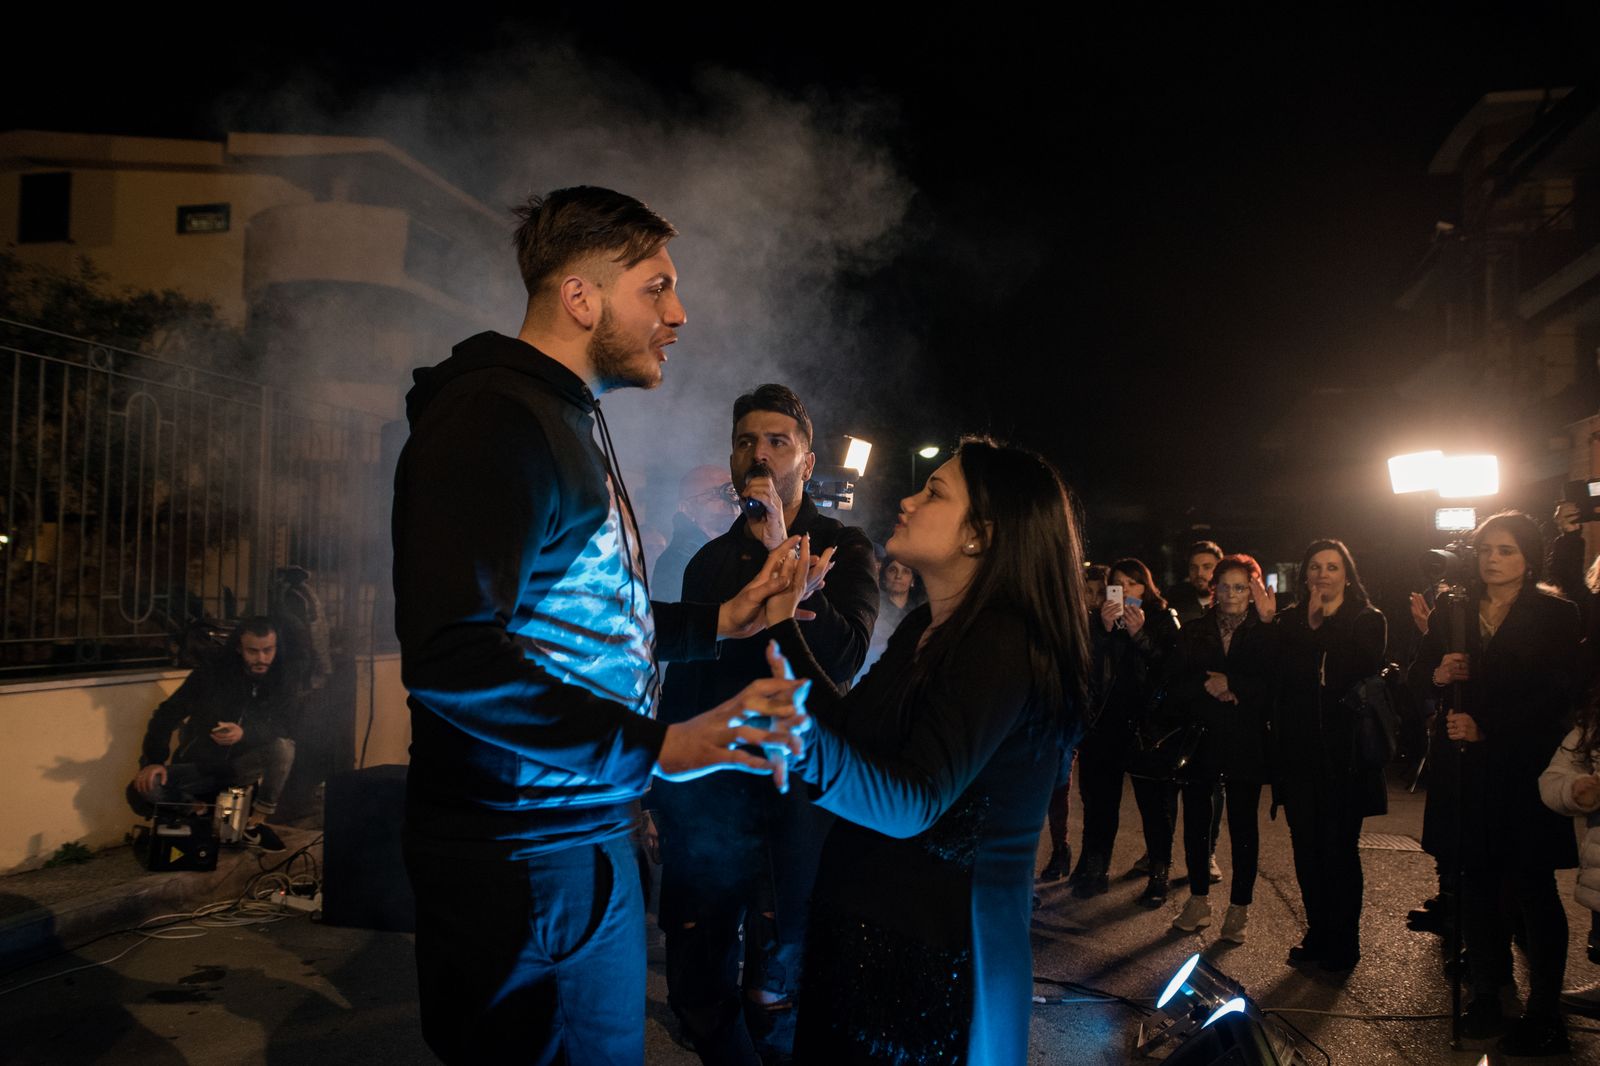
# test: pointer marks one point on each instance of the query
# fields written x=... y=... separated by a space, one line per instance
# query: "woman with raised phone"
x=940 y=764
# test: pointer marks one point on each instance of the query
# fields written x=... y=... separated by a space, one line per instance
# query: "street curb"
x=43 y=931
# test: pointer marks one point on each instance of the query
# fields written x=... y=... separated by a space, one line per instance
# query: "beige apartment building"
x=346 y=260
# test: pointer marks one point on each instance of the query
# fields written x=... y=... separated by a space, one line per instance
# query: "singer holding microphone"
x=1506 y=689
x=732 y=855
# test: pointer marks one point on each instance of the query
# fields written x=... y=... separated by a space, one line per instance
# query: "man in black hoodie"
x=528 y=645
x=233 y=718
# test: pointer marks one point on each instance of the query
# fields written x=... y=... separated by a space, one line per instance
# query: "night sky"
x=1135 y=238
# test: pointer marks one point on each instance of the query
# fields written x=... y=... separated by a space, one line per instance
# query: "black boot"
x=1060 y=862
x=1155 y=890
x=1089 y=879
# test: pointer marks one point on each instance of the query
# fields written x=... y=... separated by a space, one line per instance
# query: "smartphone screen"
x=1133 y=601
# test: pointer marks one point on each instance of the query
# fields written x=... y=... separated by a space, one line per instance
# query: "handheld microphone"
x=752 y=508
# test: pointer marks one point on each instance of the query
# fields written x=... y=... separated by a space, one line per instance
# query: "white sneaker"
x=1215 y=871
x=1584 y=1001
x=1233 y=923
x=1196 y=915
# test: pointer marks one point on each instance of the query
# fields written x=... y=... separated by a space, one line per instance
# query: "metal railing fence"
x=140 y=498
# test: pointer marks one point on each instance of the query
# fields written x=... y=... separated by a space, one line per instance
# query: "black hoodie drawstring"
x=627 y=519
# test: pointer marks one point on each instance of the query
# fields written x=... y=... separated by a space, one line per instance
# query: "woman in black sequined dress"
x=942 y=761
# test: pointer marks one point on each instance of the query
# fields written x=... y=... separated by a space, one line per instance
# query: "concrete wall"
x=71 y=748
x=72 y=745
x=390 y=740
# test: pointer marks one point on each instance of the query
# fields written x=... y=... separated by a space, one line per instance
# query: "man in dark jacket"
x=1192 y=596
x=733 y=853
x=528 y=644
x=232 y=714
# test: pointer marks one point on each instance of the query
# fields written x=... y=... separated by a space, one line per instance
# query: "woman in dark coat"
x=939 y=765
x=1225 y=677
x=1133 y=643
x=1329 y=640
x=1519 y=678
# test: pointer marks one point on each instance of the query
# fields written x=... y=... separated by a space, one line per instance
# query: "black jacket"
x=1524 y=685
x=219 y=690
x=1235 y=744
x=1129 y=673
x=1313 y=730
x=838 y=637
x=525 y=632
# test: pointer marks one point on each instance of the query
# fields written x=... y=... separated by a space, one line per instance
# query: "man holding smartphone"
x=232 y=714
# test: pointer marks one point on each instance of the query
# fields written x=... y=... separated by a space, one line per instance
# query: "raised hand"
x=745 y=615
x=1110 y=611
x=802 y=575
x=1133 y=618
x=770 y=529
x=1265 y=599
x=1420 y=612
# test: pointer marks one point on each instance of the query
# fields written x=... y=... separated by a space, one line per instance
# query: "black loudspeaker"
x=364 y=881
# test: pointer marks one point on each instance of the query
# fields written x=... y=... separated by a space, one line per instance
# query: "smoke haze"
x=780 y=202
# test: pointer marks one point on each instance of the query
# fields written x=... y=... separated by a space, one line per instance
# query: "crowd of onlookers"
x=1221 y=691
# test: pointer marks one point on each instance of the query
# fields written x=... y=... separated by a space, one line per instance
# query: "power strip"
x=306 y=904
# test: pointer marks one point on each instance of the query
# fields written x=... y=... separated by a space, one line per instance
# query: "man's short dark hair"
x=258 y=626
x=567 y=225
x=779 y=398
x=1203 y=547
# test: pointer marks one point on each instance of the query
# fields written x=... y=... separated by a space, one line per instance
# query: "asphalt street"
x=297 y=991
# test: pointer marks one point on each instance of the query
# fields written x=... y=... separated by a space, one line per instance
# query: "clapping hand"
x=1265 y=599
x=1420 y=612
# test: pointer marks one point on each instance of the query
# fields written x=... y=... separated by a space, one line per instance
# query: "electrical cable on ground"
x=250 y=907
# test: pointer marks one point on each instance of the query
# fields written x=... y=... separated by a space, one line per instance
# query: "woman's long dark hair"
x=1355 y=591
x=1153 y=600
x=1032 y=561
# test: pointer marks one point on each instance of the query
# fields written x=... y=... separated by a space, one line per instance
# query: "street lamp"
x=927 y=451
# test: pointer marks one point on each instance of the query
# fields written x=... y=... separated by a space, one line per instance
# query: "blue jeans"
x=537 y=960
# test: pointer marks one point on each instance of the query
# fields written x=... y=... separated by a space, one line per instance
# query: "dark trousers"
x=1324 y=831
x=266 y=765
x=1100 y=789
x=735 y=854
x=538 y=960
x=1201 y=808
x=1492 y=903
x=1061 y=806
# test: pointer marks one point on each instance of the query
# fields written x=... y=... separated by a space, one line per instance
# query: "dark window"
x=46 y=208
x=203 y=218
